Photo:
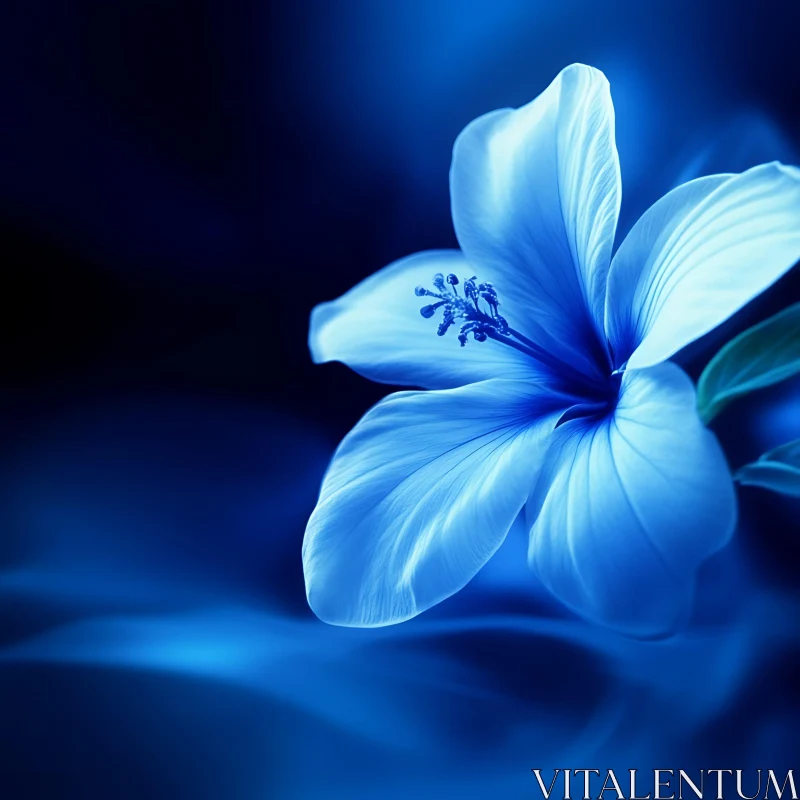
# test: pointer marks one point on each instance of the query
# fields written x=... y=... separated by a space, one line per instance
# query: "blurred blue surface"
x=180 y=184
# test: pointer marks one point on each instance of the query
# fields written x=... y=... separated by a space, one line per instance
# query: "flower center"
x=476 y=314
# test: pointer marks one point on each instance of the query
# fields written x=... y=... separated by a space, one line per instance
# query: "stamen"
x=483 y=324
x=477 y=322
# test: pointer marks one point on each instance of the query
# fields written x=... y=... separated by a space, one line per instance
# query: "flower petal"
x=697 y=256
x=535 y=194
x=418 y=497
x=376 y=329
x=626 y=509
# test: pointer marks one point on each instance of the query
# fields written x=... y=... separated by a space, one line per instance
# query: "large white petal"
x=697 y=256
x=418 y=497
x=535 y=194
x=627 y=508
x=376 y=329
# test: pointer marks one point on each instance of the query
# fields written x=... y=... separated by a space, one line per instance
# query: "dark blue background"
x=180 y=183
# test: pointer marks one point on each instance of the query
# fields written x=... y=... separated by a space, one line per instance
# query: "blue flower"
x=551 y=391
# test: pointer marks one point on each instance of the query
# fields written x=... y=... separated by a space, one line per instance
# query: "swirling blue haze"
x=139 y=487
x=409 y=700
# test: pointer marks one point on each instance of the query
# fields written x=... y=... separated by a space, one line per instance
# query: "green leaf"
x=764 y=354
x=778 y=470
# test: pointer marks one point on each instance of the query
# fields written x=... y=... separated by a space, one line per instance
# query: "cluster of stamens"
x=482 y=324
x=467 y=309
x=477 y=315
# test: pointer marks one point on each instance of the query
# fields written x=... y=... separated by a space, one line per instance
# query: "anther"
x=477 y=322
x=485 y=322
x=429 y=311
